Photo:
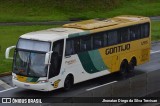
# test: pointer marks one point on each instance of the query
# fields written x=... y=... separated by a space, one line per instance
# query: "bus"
x=61 y=57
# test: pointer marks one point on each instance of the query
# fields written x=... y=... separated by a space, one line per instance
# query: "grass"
x=155 y=30
x=10 y=34
x=45 y=10
x=8 y=37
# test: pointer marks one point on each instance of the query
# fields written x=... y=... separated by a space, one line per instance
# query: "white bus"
x=60 y=57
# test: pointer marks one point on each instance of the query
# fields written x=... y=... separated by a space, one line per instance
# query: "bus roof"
x=52 y=34
x=100 y=23
x=85 y=27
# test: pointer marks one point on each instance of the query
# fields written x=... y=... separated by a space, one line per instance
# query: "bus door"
x=71 y=61
x=56 y=58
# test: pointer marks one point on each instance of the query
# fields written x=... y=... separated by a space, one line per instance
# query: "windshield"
x=33 y=45
x=30 y=64
x=30 y=58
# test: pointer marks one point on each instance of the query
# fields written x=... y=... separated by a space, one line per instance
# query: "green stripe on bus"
x=97 y=60
x=29 y=79
x=78 y=34
x=87 y=62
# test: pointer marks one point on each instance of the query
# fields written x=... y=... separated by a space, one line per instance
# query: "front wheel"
x=124 y=68
x=68 y=83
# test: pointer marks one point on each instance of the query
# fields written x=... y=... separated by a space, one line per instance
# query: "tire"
x=124 y=68
x=131 y=67
x=68 y=83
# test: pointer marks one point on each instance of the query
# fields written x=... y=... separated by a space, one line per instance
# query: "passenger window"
x=138 y=31
x=85 y=43
x=76 y=45
x=132 y=33
x=124 y=35
x=98 y=40
x=112 y=37
x=146 y=29
x=105 y=39
x=69 y=47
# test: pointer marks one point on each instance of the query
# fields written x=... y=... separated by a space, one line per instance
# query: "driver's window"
x=56 y=58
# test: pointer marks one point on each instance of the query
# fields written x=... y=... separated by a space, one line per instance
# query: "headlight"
x=43 y=81
x=14 y=77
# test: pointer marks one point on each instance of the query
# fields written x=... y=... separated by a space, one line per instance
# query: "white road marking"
x=8 y=89
x=4 y=85
x=100 y=86
x=153 y=52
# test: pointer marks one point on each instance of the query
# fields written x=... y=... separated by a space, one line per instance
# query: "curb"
x=156 y=18
x=5 y=74
x=155 y=42
x=35 y=23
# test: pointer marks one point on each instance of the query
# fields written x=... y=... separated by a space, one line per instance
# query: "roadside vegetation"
x=47 y=10
x=155 y=30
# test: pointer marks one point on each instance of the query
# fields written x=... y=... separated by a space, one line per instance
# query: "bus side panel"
x=115 y=63
x=114 y=55
x=85 y=66
x=143 y=50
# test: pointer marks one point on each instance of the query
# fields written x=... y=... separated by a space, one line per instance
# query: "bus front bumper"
x=37 y=86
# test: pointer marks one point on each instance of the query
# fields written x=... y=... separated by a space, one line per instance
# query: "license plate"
x=26 y=85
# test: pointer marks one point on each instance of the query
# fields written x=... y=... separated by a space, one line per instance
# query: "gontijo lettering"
x=118 y=49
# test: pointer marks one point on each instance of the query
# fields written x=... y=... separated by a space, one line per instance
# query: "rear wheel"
x=132 y=64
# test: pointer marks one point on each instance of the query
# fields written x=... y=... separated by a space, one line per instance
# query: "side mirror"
x=8 y=52
x=47 y=57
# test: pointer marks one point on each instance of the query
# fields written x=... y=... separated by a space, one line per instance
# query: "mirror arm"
x=47 y=57
x=8 y=52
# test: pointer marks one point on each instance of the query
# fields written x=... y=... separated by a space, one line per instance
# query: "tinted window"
x=56 y=58
x=105 y=37
x=98 y=40
x=69 y=47
x=85 y=43
x=145 y=30
x=112 y=37
x=58 y=47
x=132 y=33
x=138 y=31
x=76 y=45
x=124 y=34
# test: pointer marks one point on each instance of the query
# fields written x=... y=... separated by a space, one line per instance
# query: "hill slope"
x=42 y=10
